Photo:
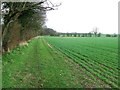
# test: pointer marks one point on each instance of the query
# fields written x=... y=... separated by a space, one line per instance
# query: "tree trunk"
x=12 y=37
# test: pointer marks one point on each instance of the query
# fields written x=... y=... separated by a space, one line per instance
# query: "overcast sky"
x=84 y=15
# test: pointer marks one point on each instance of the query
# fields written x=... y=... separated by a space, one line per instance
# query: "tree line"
x=54 y=33
x=22 y=21
x=86 y=35
x=93 y=33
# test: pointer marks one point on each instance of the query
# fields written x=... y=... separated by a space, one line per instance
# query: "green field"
x=63 y=62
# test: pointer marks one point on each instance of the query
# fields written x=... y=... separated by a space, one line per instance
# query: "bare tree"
x=95 y=31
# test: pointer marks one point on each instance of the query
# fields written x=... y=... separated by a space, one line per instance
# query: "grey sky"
x=84 y=15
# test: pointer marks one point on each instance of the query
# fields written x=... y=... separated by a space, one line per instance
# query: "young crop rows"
x=98 y=57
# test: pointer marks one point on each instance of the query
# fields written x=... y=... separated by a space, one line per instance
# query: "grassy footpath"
x=41 y=66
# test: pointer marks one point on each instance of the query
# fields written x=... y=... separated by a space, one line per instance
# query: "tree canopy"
x=23 y=20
